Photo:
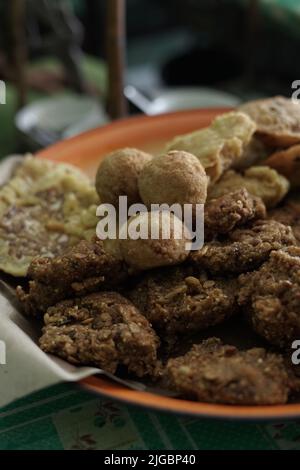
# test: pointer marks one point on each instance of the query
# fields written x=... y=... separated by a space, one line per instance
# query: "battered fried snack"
x=147 y=253
x=219 y=146
x=232 y=210
x=118 y=175
x=103 y=330
x=271 y=296
x=244 y=249
x=277 y=120
x=175 y=178
x=288 y=214
x=260 y=181
x=44 y=209
x=217 y=373
x=86 y=267
x=177 y=303
x=255 y=153
x=287 y=162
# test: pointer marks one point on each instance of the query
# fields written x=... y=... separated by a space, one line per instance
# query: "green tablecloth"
x=65 y=417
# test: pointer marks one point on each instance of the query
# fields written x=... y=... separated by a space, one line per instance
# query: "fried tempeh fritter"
x=244 y=249
x=217 y=373
x=177 y=303
x=271 y=296
x=232 y=210
x=103 y=330
x=86 y=267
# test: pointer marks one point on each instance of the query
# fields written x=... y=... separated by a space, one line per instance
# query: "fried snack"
x=288 y=214
x=102 y=330
x=255 y=153
x=232 y=210
x=244 y=249
x=44 y=209
x=86 y=267
x=217 y=373
x=287 y=162
x=118 y=174
x=220 y=145
x=169 y=247
x=260 y=181
x=277 y=120
x=271 y=296
x=177 y=177
x=177 y=303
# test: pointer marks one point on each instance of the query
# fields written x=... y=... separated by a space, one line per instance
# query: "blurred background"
x=64 y=62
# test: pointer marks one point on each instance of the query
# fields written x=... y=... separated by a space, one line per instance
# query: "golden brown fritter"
x=219 y=146
x=177 y=303
x=271 y=297
x=260 y=181
x=243 y=249
x=232 y=210
x=277 y=120
x=217 y=373
x=103 y=330
x=288 y=214
x=86 y=267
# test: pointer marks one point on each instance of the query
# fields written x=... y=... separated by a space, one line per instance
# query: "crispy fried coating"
x=244 y=249
x=219 y=146
x=178 y=303
x=277 y=120
x=86 y=267
x=217 y=373
x=260 y=181
x=288 y=214
x=271 y=297
x=232 y=210
x=103 y=330
x=44 y=209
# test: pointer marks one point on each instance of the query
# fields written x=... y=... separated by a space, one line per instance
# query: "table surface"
x=67 y=417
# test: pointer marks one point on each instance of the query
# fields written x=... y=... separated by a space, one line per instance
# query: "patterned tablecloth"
x=66 y=417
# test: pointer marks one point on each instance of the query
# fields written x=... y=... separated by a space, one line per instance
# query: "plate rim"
x=110 y=389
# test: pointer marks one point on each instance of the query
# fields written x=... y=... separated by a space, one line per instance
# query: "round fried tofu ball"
x=118 y=174
x=177 y=177
x=165 y=240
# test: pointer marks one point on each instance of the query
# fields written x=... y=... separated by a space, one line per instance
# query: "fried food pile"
x=150 y=310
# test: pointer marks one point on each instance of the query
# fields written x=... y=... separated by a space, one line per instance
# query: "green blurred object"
x=94 y=71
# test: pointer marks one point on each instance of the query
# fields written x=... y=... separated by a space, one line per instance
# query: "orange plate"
x=150 y=133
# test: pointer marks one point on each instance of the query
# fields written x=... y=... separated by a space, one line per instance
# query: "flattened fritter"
x=103 y=330
x=217 y=373
x=260 y=181
x=44 y=209
x=177 y=303
x=232 y=210
x=244 y=249
x=271 y=296
x=86 y=267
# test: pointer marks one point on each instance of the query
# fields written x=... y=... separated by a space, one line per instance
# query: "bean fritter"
x=85 y=268
x=177 y=303
x=103 y=330
x=271 y=297
x=232 y=210
x=243 y=249
x=217 y=373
